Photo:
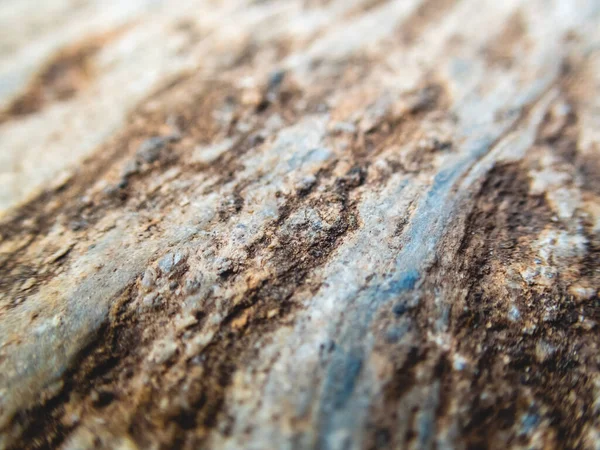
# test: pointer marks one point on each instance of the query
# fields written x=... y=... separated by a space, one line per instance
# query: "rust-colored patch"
x=64 y=75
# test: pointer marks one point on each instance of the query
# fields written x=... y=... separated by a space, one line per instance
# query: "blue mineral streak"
x=339 y=396
x=346 y=364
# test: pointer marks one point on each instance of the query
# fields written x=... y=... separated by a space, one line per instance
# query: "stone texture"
x=299 y=224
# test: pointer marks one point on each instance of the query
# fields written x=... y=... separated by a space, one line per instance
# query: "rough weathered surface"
x=324 y=224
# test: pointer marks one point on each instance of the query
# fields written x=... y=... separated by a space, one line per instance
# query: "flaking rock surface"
x=332 y=224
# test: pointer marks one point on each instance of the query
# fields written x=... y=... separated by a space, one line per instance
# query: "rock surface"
x=333 y=224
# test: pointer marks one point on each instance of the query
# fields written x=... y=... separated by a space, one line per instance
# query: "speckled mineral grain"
x=330 y=224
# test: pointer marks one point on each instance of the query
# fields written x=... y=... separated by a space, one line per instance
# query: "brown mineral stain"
x=364 y=7
x=241 y=321
x=65 y=74
x=109 y=391
x=502 y=49
x=589 y=167
x=428 y=12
